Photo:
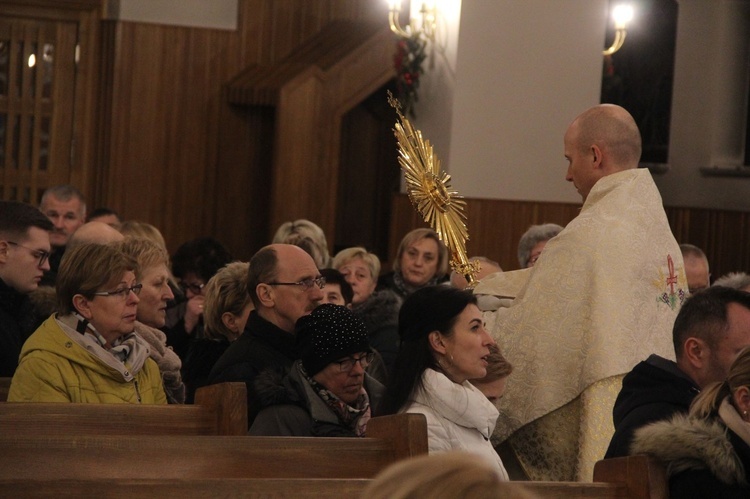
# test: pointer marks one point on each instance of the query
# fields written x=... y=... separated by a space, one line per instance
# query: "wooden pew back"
x=298 y=488
x=126 y=456
x=219 y=410
x=4 y=388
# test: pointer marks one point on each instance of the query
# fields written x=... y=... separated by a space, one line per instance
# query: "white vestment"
x=602 y=297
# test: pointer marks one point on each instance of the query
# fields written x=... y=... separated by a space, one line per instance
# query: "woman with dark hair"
x=443 y=346
x=193 y=264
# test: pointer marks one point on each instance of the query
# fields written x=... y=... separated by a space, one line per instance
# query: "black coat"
x=17 y=321
x=291 y=407
x=201 y=357
x=704 y=458
x=380 y=315
x=654 y=390
x=261 y=346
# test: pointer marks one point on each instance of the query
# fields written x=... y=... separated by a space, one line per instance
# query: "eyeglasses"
x=306 y=284
x=195 y=288
x=122 y=293
x=40 y=254
x=348 y=364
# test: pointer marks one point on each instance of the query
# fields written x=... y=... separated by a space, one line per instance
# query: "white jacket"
x=459 y=417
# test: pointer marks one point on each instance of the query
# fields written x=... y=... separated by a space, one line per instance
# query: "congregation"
x=610 y=340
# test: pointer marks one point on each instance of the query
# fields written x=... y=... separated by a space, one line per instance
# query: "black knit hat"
x=329 y=333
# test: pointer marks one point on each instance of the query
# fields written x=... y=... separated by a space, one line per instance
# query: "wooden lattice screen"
x=37 y=84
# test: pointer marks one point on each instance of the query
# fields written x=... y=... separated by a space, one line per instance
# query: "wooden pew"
x=4 y=388
x=219 y=410
x=643 y=476
x=298 y=488
x=638 y=477
x=124 y=456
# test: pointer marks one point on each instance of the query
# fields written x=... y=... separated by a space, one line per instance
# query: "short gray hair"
x=531 y=237
x=736 y=280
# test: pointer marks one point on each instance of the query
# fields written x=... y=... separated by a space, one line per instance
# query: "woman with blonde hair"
x=227 y=307
x=378 y=309
x=88 y=351
x=707 y=453
x=308 y=236
x=153 y=274
x=421 y=261
x=442 y=476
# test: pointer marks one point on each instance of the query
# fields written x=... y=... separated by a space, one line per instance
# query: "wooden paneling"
x=177 y=154
x=495 y=226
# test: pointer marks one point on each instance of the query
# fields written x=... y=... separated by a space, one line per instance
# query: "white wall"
x=435 y=107
x=709 y=105
x=526 y=69
x=219 y=14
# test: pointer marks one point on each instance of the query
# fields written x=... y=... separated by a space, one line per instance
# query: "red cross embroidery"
x=672 y=278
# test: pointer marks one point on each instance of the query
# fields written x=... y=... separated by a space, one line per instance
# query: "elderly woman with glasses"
x=88 y=352
x=327 y=393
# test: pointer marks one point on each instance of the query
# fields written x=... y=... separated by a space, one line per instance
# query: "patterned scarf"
x=407 y=289
x=354 y=417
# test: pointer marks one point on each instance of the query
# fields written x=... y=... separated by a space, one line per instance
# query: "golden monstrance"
x=431 y=194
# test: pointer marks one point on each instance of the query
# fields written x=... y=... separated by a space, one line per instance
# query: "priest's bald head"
x=601 y=141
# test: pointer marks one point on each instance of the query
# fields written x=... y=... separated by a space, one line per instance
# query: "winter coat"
x=201 y=358
x=17 y=322
x=55 y=368
x=703 y=457
x=459 y=417
x=261 y=346
x=291 y=407
x=655 y=390
x=168 y=361
x=380 y=315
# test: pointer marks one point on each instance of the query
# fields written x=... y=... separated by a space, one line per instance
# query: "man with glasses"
x=327 y=393
x=284 y=284
x=24 y=257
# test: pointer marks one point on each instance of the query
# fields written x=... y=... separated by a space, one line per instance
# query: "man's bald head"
x=95 y=232
x=613 y=130
x=603 y=140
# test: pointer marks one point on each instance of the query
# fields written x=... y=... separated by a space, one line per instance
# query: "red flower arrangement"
x=410 y=54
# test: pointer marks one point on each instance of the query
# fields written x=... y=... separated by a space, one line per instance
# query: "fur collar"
x=684 y=443
x=379 y=310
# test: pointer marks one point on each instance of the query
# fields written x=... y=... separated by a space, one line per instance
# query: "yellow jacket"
x=54 y=368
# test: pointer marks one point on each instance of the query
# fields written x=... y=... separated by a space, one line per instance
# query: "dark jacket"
x=703 y=457
x=17 y=321
x=654 y=390
x=389 y=281
x=291 y=407
x=196 y=367
x=380 y=315
x=261 y=346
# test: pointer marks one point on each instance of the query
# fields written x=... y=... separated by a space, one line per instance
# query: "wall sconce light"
x=622 y=15
x=425 y=30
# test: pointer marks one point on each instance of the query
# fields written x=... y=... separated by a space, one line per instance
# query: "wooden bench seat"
x=59 y=456
x=219 y=410
x=649 y=485
x=298 y=488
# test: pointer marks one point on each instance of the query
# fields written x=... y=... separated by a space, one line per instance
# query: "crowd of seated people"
x=323 y=344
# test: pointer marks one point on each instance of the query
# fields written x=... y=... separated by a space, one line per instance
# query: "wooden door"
x=37 y=94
